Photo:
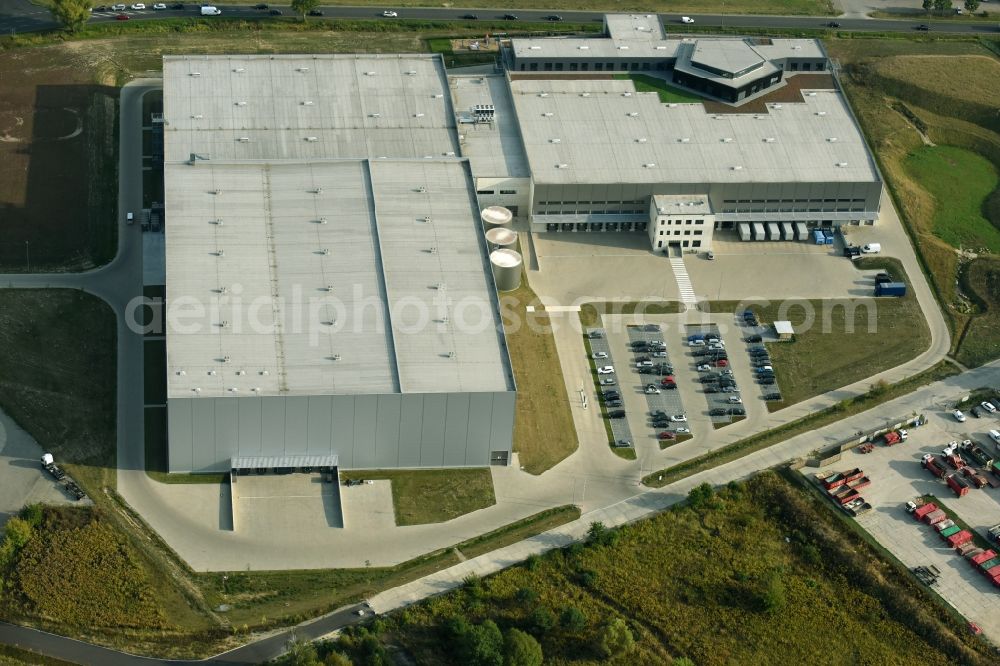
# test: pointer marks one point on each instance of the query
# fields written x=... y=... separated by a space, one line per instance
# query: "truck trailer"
x=924 y=509
x=890 y=289
x=933 y=466
x=744 y=231
x=958 y=485
x=977 y=453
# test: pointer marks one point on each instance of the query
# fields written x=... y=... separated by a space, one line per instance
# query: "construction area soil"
x=58 y=153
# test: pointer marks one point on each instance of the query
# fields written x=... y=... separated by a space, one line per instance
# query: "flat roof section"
x=682 y=204
x=495 y=149
x=731 y=56
x=297 y=107
x=602 y=132
x=644 y=27
x=284 y=283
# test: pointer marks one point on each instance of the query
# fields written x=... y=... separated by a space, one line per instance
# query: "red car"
x=122 y=17
x=666 y=434
x=721 y=363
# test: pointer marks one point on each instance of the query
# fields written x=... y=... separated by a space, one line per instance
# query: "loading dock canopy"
x=267 y=462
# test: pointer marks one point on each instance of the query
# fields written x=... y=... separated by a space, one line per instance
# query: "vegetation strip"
x=841 y=410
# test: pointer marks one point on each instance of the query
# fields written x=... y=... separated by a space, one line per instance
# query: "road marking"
x=683 y=281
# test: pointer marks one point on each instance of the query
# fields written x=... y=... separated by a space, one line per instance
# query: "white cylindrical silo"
x=496 y=216
x=506 y=269
x=499 y=237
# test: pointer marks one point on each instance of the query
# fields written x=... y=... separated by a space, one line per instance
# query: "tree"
x=928 y=5
x=700 y=495
x=572 y=620
x=772 y=599
x=599 y=535
x=521 y=649
x=300 y=653
x=336 y=659
x=482 y=645
x=682 y=661
x=71 y=14
x=942 y=5
x=17 y=533
x=615 y=639
x=303 y=7
x=542 y=620
x=971 y=5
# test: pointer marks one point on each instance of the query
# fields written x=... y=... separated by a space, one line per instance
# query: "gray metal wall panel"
x=179 y=433
x=387 y=431
x=411 y=418
x=296 y=421
x=272 y=432
x=250 y=426
x=203 y=451
x=456 y=429
x=432 y=441
x=227 y=430
x=477 y=448
x=342 y=434
x=502 y=432
x=320 y=419
x=365 y=413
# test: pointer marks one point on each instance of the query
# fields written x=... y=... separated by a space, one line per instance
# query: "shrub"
x=599 y=535
x=699 y=496
x=682 y=661
x=542 y=620
x=572 y=619
x=615 y=638
x=17 y=533
x=336 y=659
x=483 y=645
x=32 y=514
x=526 y=595
x=531 y=562
x=521 y=649
x=587 y=578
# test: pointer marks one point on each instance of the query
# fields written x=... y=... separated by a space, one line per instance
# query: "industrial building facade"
x=329 y=295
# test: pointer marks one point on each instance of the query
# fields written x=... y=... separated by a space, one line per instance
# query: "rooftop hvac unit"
x=547 y=114
x=555 y=140
x=324 y=251
x=217 y=221
x=335 y=357
x=197 y=116
x=374 y=115
x=727 y=139
x=316 y=190
x=321 y=220
x=437 y=96
x=195 y=74
x=649 y=165
x=226 y=359
x=255 y=389
x=661 y=48
x=312 y=139
x=769 y=139
x=412 y=72
x=426 y=218
x=562 y=166
x=418 y=115
x=451 y=354
x=432 y=250
x=223 y=290
x=543 y=94
x=737 y=168
x=233 y=389
x=215 y=192
x=440 y=286
x=535 y=48
x=307 y=102
x=775 y=106
x=484 y=113
x=626 y=94
x=240 y=70
x=443 y=320
x=684 y=140
x=369 y=73
x=623 y=48
x=301 y=69
x=641 y=139
x=841 y=164
x=584 y=48
x=244 y=139
x=633 y=114
x=328 y=287
x=421 y=189
x=223 y=324
x=240 y=373
x=584 y=94
x=241 y=103
x=196 y=389
x=220 y=253
x=211 y=373
x=821 y=113
x=832 y=139
x=181 y=373
x=329 y=322
x=264 y=373
x=810 y=94
x=672 y=106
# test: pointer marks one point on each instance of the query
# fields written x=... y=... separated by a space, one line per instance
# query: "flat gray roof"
x=644 y=27
x=301 y=267
x=495 y=150
x=602 y=131
x=682 y=204
x=618 y=48
x=306 y=107
x=728 y=55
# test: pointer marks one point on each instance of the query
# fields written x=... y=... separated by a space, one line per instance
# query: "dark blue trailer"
x=890 y=289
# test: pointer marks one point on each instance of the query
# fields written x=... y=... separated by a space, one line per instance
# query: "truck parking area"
x=898 y=476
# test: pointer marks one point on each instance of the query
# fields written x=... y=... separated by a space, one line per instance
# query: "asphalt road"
x=22 y=16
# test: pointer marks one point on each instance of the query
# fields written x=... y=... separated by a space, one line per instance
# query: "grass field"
x=847 y=341
x=544 y=432
x=892 y=102
x=981 y=280
x=434 y=495
x=12 y=656
x=757 y=569
x=806 y=424
x=960 y=181
x=667 y=92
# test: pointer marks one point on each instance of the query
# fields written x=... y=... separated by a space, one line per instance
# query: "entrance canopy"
x=264 y=462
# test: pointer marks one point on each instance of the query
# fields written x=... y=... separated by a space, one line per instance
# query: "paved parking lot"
x=715 y=392
x=620 y=431
x=897 y=476
x=667 y=401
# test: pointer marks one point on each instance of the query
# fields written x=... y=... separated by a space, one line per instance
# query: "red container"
x=957 y=539
x=923 y=510
x=982 y=557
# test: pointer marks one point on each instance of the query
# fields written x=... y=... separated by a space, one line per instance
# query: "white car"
x=682 y=431
x=678 y=418
x=606 y=370
x=994 y=435
x=607 y=381
x=118 y=8
x=687 y=19
x=137 y=6
x=959 y=416
x=390 y=14
x=597 y=355
x=736 y=400
x=663 y=354
x=651 y=390
x=696 y=343
x=704 y=367
x=159 y=5
x=988 y=406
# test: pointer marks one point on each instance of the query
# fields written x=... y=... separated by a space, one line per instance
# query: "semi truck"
x=894 y=437
x=890 y=289
x=958 y=485
x=977 y=453
x=933 y=466
x=977 y=479
x=49 y=463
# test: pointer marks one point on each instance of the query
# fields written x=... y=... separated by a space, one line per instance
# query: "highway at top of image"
x=21 y=16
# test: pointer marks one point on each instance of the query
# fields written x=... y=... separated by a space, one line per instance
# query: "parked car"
x=553 y=17
x=594 y=335
x=122 y=17
x=711 y=389
x=735 y=399
x=704 y=367
x=852 y=251
x=988 y=406
x=607 y=381
x=611 y=394
x=613 y=403
x=678 y=418
x=159 y=5
x=138 y=6
x=659 y=354
x=606 y=370
x=260 y=6
x=975 y=411
x=959 y=416
x=651 y=328
x=118 y=8
x=682 y=431
x=923 y=27
x=832 y=24
x=696 y=343
x=621 y=444
x=644 y=364
x=651 y=389
x=666 y=434
x=509 y=17
x=752 y=338
x=275 y=12
x=600 y=354
x=772 y=396
x=616 y=414
x=658 y=413
x=737 y=411
x=766 y=381
x=717 y=411
x=728 y=389
x=315 y=12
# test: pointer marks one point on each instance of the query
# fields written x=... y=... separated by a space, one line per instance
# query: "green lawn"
x=590 y=312
x=758 y=573
x=960 y=181
x=981 y=342
x=544 y=432
x=668 y=93
x=433 y=495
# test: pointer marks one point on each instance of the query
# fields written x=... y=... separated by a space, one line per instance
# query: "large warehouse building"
x=329 y=296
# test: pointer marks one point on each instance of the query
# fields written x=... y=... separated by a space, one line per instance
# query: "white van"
x=995 y=436
x=872 y=248
x=209 y=10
